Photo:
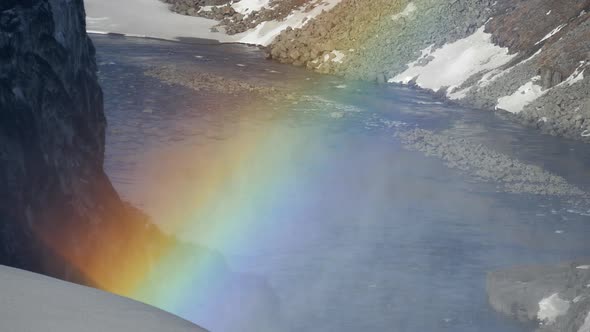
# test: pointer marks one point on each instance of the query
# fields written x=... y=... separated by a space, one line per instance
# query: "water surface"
x=353 y=232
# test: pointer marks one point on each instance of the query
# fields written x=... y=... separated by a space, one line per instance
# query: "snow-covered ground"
x=248 y=6
x=526 y=94
x=265 y=32
x=147 y=18
x=152 y=18
x=31 y=302
x=452 y=64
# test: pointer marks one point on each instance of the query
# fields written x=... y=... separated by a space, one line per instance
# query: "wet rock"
x=556 y=297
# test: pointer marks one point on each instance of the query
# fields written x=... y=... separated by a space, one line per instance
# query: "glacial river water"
x=352 y=231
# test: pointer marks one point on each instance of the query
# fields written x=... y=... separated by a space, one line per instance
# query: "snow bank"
x=576 y=76
x=248 y=6
x=454 y=63
x=410 y=8
x=147 y=18
x=265 y=32
x=32 y=302
x=337 y=56
x=551 y=34
x=526 y=94
x=586 y=326
x=552 y=307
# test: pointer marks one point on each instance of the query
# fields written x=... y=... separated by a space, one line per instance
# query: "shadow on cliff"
x=59 y=213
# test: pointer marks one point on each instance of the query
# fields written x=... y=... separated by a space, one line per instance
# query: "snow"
x=551 y=34
x=494 y=74
x=338 y=56
x=526 y=94
x=577 y=76
x=586 y=326
x=459 y=94
x=583 y=267
x=248 y=6
x=454 y=63
x=147 y=18
x=552 y=307
x=410 y=8
x=32 y=302
x=265 y=32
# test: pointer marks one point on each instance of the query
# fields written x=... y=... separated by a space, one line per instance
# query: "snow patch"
x=147 y=18
x=32 y=302
x=577 y=76
x=338 y=56
x=248 y=6
x=551 y=34
x=583 y=267
x=410 y=8
x=526 y=94
x=459 y=94
x=266 y=32
x=454 y=63
x=552 y=307
x=586 y=326
x=494 y=74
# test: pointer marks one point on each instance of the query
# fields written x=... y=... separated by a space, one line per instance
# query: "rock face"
x=379 y=40
x=59 y=213
x=234 y=22
x=52 y=128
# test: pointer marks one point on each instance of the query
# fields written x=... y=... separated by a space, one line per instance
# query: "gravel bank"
x=488 y=165
x=203 y=81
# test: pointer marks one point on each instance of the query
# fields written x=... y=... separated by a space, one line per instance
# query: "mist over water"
x=351 y=231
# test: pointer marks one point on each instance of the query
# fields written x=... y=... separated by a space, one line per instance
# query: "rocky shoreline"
x=527 y=72
x=353 y=41
x=231 y=21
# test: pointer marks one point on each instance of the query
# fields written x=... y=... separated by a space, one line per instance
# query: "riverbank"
x=182 y=102
x=463 y=50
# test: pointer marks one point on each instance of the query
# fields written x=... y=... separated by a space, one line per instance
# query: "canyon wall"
x=59 y=213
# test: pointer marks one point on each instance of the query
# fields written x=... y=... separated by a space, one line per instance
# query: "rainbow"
x=240 y=194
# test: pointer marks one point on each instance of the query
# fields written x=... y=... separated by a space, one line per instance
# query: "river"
x=319 y=197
